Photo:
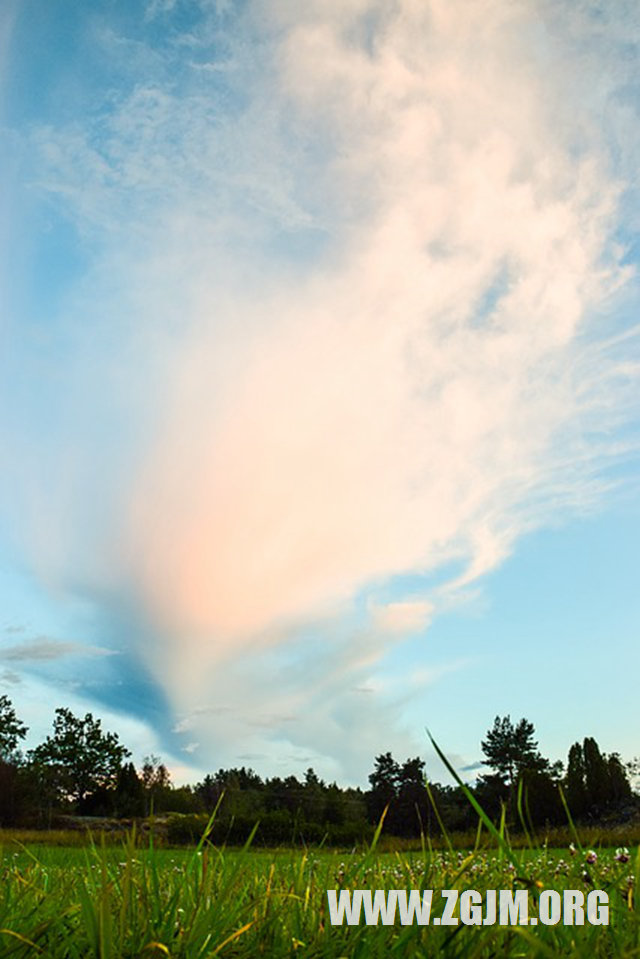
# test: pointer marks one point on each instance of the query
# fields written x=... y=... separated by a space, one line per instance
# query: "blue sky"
x=319 y=375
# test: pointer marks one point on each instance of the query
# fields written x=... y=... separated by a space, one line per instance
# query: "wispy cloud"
x=406 y=616
x=9 y=678
x=471 y=767
x=415 y=397
x=44 y=649
x=349 y=299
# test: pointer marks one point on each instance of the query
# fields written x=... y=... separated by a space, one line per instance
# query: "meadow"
x=125 y=900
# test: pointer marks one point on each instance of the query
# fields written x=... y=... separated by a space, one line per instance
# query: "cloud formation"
x=43 y=649
x=402 y=617
x=349 y=290
x=407 y=400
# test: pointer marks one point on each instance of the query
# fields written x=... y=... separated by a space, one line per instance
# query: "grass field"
x=129 y=901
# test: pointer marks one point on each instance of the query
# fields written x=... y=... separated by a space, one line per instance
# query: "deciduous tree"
x=156 y=781
x=11 y=729
x=80 y=755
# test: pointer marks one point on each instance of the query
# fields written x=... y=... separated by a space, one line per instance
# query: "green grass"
x=107 y=901
x=116 y=901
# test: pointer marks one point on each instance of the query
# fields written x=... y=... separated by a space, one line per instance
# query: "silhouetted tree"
x=510 y=750
x=156 y=782
x=492 y=793
x=313 y=797
x=128 y=796
x=541 y=803
x=9 y=777
x=79 y=757
x=385 y=781
x=575 y=781
x=619 y=785
x=335 y=805
x=80 y=763
x=596 y=776
x=411 y=807
x=595 y=782
x=209 y=792
x=11 y=729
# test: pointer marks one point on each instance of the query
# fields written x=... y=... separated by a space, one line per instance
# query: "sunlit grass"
x=130 y=898
x=126 y=901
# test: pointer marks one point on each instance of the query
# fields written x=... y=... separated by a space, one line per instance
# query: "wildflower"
x=591 y=857
x=622 y=854
x=572 y=849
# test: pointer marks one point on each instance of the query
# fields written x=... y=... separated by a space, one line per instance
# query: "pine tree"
x=619 y=785
x=129 y=792
x=510 y=750
x=385 y=781
x=596 y=776
x=575 y=782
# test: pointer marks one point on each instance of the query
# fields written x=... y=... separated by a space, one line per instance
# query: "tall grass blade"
x=497 y=835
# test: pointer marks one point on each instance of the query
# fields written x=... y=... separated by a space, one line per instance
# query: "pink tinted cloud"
x=420 y=388
x=369 y=419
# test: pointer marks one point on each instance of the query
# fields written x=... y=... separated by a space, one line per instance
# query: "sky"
x=319 y=368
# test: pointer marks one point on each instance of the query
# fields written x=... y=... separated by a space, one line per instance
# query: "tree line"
x=83 y=770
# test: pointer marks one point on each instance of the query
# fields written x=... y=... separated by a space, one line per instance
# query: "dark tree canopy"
x=155 y=775
x=385 y=780
x=510 y=750
x=82 y=757
x=11 y=729
x=595 y=773
x=575 y=782
x=155 y=780
x=129 y=792
x=595 y=782
x=81 y=768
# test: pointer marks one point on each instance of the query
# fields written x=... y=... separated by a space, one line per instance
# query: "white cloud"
x=401 y=617
x=157 y=8
x=373 y=418
x=354 y=299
